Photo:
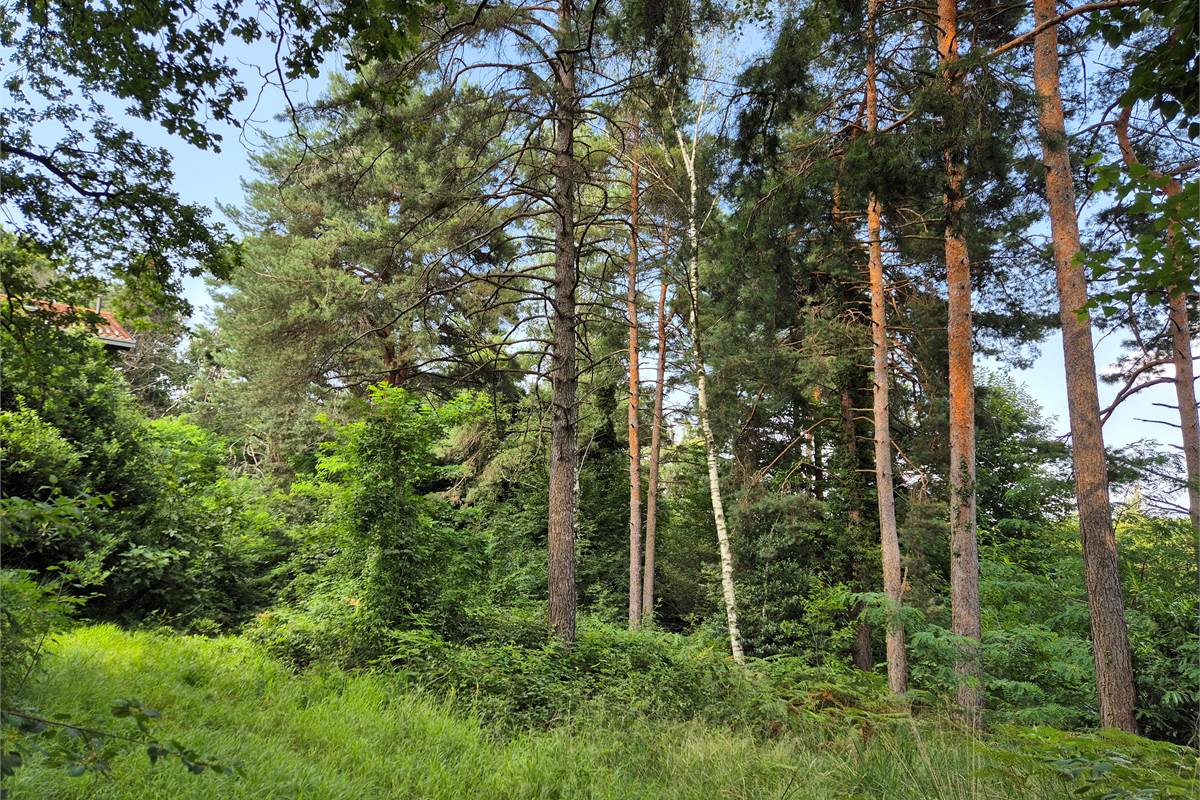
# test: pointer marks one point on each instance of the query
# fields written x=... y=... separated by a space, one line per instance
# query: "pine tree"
x=964 y=545
x=1110 y=640
x=897 y=659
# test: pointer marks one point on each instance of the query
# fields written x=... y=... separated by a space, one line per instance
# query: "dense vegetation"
x=407 y=516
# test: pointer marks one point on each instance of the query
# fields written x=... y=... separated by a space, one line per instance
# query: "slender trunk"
x=564 y=376
x=1181 y=342
x=964 y=548
x=635 y=460
x=889 y=541
x=1185 y=378
x=862 y=656
x=655 y=444
x=818 y=484
x=710 y=449
x=1185 y=395
x=1110 y=640
x=710 y=442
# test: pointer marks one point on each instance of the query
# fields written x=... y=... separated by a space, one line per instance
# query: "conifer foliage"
x=573 y=354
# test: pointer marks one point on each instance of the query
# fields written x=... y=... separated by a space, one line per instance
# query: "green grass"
x=330 y=734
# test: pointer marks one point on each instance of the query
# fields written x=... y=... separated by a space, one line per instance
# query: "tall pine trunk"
x=897 y=659
x=635 y=460
x=656 y=424
x=1114 y=673
x=1110 y=640
x=564 y=376
x=964 y=548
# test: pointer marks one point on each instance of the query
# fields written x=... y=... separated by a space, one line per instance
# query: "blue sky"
x=215 y=178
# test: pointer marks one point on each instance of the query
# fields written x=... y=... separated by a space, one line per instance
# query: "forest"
x=584 y=399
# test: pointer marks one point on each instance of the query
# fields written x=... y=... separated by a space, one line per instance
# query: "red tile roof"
x=107 y=330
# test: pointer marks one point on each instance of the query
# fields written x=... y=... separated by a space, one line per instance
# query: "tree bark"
x=1185 y=395
x=861 y=654
x=889 y=541
x=1181 y=344
x=655 y=446
x=964 y=548
x=564 y=375
x=710 y=450
x=710 y=442
x=635 y=460
x=1110 y=640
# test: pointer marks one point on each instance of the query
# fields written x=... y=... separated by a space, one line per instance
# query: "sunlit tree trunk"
x=635 y=460
x=1110 y=640
x=964 y=548
x=710 y=442
x=897 y=659
x=564 y=376
x=656 y=424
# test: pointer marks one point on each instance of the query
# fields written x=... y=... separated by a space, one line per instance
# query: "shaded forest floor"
x=326 y=733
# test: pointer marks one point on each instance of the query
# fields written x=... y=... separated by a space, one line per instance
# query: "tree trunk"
x=889 y=541
x=1181 y=344
x=710 y=442
x=1185 y=394
x=861 y=654
x=964 y=549
x=1110 y=641
x=564 y=376
x=655 y=445
x=818 y=482
x=710 y=449
x=635 y=460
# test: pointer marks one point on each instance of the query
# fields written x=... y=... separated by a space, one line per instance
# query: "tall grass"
x=330 y=734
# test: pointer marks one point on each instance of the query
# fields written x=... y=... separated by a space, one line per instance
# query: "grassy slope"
x=333 y=735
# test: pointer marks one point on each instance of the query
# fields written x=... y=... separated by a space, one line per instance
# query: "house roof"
x=108 y=330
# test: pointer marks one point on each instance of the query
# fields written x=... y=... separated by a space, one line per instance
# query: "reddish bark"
x=635 y=460
x=656 y=424
x=1110 y=640
x=964 y=548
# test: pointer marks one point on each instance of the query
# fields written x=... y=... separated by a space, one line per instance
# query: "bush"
x=31 y=614
x=35 y=457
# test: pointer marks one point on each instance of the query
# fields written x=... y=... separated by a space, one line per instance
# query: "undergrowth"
x=331 y=733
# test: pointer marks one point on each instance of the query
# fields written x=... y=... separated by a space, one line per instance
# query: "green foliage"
x=34 y=455
x=327 y=733
x=144 y=513
x=77 y=750
x=377 y=553
x=515 y=675
x=1149 y=262
x=1165 y=72
x=31 y=614
x=1109 y=765
x=92 y=191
